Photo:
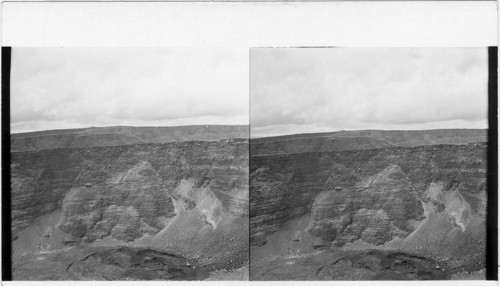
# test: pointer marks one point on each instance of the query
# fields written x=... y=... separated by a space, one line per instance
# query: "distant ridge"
x=122 y=135
x=362 y=139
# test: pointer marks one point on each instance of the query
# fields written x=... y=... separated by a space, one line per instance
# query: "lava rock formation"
x=187 y=198
x=419 y=192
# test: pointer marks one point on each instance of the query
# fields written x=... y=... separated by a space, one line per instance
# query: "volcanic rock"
x=370 y=195
x=189 y=198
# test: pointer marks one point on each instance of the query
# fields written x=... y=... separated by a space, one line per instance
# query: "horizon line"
x=256 y=137
x=130 y=126
x=357 y=130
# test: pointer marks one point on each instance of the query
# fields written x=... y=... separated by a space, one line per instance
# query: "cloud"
x=313 y=90
x=79 y=87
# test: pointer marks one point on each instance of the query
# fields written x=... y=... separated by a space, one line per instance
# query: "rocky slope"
x=362 y=139
x=122 y=135
x=375 y=213
x=187 y=198
x=427 y=199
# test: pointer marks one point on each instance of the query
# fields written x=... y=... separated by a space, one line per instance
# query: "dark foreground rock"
x=107 y=263
x=353 y=265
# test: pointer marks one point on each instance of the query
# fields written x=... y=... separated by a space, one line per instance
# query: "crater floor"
x=107 y=263
x=351 y=265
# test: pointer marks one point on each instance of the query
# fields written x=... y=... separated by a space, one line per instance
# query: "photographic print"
x=368 y=163
x=267 y=141
x=129 y=163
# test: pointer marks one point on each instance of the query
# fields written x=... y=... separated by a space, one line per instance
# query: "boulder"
x=296 y=236
x=47 y=232
x=71 y=240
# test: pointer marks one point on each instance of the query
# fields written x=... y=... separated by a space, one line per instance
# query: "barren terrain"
x=111 y=209
x=368 y=205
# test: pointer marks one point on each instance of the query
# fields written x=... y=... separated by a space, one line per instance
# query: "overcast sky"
x=58 y=88
x=330 y=89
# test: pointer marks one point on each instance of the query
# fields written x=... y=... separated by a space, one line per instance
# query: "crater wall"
x=372 y=195
x=187 y=197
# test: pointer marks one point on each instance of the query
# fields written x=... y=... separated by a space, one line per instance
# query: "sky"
x=305 y=90
x=57 y=88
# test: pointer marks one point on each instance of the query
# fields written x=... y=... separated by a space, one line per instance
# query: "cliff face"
x=371 y=196
x=374 y=211
x=189 y=197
